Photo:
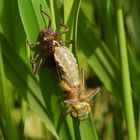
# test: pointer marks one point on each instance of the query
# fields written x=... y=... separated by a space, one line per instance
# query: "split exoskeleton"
x=48 y=38
x=72 y=82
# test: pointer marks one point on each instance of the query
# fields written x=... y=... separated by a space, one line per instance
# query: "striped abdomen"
x=67 y=64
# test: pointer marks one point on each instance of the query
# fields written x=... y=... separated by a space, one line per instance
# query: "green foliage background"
x=106 y=35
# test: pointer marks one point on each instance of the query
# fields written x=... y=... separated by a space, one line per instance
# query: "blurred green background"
x=106 y=44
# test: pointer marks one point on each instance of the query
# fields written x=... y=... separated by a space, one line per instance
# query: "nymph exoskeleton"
x=77 y=97
x=48 y=38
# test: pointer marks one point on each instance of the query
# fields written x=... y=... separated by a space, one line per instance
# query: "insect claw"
x=50 y=21
x=66 y=42
x=93 y=92
x=66 y=29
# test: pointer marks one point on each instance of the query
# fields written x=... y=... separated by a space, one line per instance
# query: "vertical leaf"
x=126 y=84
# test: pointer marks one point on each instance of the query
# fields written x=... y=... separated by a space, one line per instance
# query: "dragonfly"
x=77 y=97
x=72 y=81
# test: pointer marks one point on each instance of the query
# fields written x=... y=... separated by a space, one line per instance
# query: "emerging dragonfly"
x=77 y=97
x=48 y=38
x=72 y=82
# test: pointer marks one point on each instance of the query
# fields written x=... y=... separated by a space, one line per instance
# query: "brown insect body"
x=48 y=39
x=77 y=97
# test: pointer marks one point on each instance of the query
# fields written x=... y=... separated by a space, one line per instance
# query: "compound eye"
x=74 y=114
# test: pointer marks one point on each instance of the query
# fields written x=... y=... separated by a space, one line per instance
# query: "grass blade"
x=125 y=76
x=32 y=93
x=6 y=102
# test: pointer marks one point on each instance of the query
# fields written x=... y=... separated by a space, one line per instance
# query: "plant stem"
x=52 y=13
x=139 y=127
x=126 y=86
x=75 y=28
